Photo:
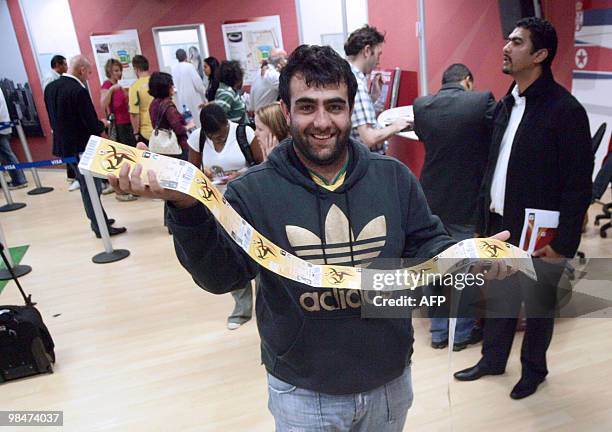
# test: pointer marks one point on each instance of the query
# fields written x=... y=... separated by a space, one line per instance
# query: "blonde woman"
x=270 y=127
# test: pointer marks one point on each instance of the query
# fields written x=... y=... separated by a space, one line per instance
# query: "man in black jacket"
x=327 y=199
x=455 y=127
x=540 y=158
x=73 y=119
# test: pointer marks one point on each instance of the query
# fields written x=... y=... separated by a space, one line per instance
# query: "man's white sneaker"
x=74 y=186
x=233 y=325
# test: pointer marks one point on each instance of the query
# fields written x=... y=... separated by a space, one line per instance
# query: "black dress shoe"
x=112 y=231
x=474 y=373
x=460 y=346
x=111 y=221
x=524 y=388
x=439 y=345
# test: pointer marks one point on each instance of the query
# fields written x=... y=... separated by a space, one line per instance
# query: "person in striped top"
x=227 y=97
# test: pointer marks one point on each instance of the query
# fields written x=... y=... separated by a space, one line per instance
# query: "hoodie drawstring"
x=350 y=227
x=321 y=228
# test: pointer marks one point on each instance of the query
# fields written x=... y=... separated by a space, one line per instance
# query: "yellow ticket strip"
x=103 y=157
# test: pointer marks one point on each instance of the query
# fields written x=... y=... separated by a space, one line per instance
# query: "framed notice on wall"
x=250 y=41
x=122 y=46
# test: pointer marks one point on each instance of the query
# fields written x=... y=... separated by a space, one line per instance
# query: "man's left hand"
x=547 y=252
x=495 y=268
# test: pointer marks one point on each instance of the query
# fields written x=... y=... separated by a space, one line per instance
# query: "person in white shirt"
x=18 y=179
x=215 y=148
x=190 y=91
x=264 y=89
x=59 y=66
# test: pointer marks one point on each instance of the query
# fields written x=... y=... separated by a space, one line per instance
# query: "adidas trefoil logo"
x=367 y=247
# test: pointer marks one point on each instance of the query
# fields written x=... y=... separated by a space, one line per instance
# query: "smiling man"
x=327 y=199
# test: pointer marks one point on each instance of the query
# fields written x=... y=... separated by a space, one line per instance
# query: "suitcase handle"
x=26 y=298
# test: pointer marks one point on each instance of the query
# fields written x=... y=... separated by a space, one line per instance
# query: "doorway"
x=191 y=38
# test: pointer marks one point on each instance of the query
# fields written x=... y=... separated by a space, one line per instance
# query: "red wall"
x=92 y=16
x=466 y=31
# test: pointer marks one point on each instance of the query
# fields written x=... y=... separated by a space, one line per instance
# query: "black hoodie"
x=310 y=337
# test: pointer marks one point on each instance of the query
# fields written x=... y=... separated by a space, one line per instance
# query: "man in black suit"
x=455 y=127
x=73 y=119
x=540 y=158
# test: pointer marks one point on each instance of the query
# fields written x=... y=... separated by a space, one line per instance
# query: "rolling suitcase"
x=26 y=347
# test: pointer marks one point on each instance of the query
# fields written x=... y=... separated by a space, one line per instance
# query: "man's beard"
x=301 y=142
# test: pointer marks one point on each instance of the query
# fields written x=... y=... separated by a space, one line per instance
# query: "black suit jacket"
x=455 y=127
x=72 y=116
x=550 y=166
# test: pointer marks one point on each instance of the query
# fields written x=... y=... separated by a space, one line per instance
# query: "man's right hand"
x=133 y=184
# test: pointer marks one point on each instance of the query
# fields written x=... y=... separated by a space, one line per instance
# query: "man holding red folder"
x=540 y=158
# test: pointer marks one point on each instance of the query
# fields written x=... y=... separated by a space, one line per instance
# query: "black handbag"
x=26 y=347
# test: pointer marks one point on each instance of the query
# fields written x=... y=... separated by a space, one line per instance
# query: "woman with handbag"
x=169 y=136
x=169 y=126
x=114 y=100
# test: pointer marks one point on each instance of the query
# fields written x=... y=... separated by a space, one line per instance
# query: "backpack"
x=243 y=143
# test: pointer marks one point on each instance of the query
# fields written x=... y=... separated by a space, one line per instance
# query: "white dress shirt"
x=52 y=77
x=498 y=186
x=264 y=89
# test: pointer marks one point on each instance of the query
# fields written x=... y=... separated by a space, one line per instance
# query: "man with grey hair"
x=264 y=89
x=73 y=119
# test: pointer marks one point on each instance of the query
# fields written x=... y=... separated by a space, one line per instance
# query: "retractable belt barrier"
x=38 y=164
x=39 y=189
x=10 y=204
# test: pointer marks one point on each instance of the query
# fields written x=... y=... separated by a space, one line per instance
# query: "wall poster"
x=123 y=46
x=250 y=41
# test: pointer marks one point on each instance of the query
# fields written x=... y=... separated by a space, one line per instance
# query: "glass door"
x=191 y=38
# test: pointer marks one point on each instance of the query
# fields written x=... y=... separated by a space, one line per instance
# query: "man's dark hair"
x=543 y=35
x=319 y=66
x=57 y=60
x=140 y=62
x=160 y=84
x=230 y=73
x=456 y=73
x=181 y=55
x=212 y=118
x=366 y=35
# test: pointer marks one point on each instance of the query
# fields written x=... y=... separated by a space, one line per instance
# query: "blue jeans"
x=383 y=409
x=8 y=158
x=439 y=326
